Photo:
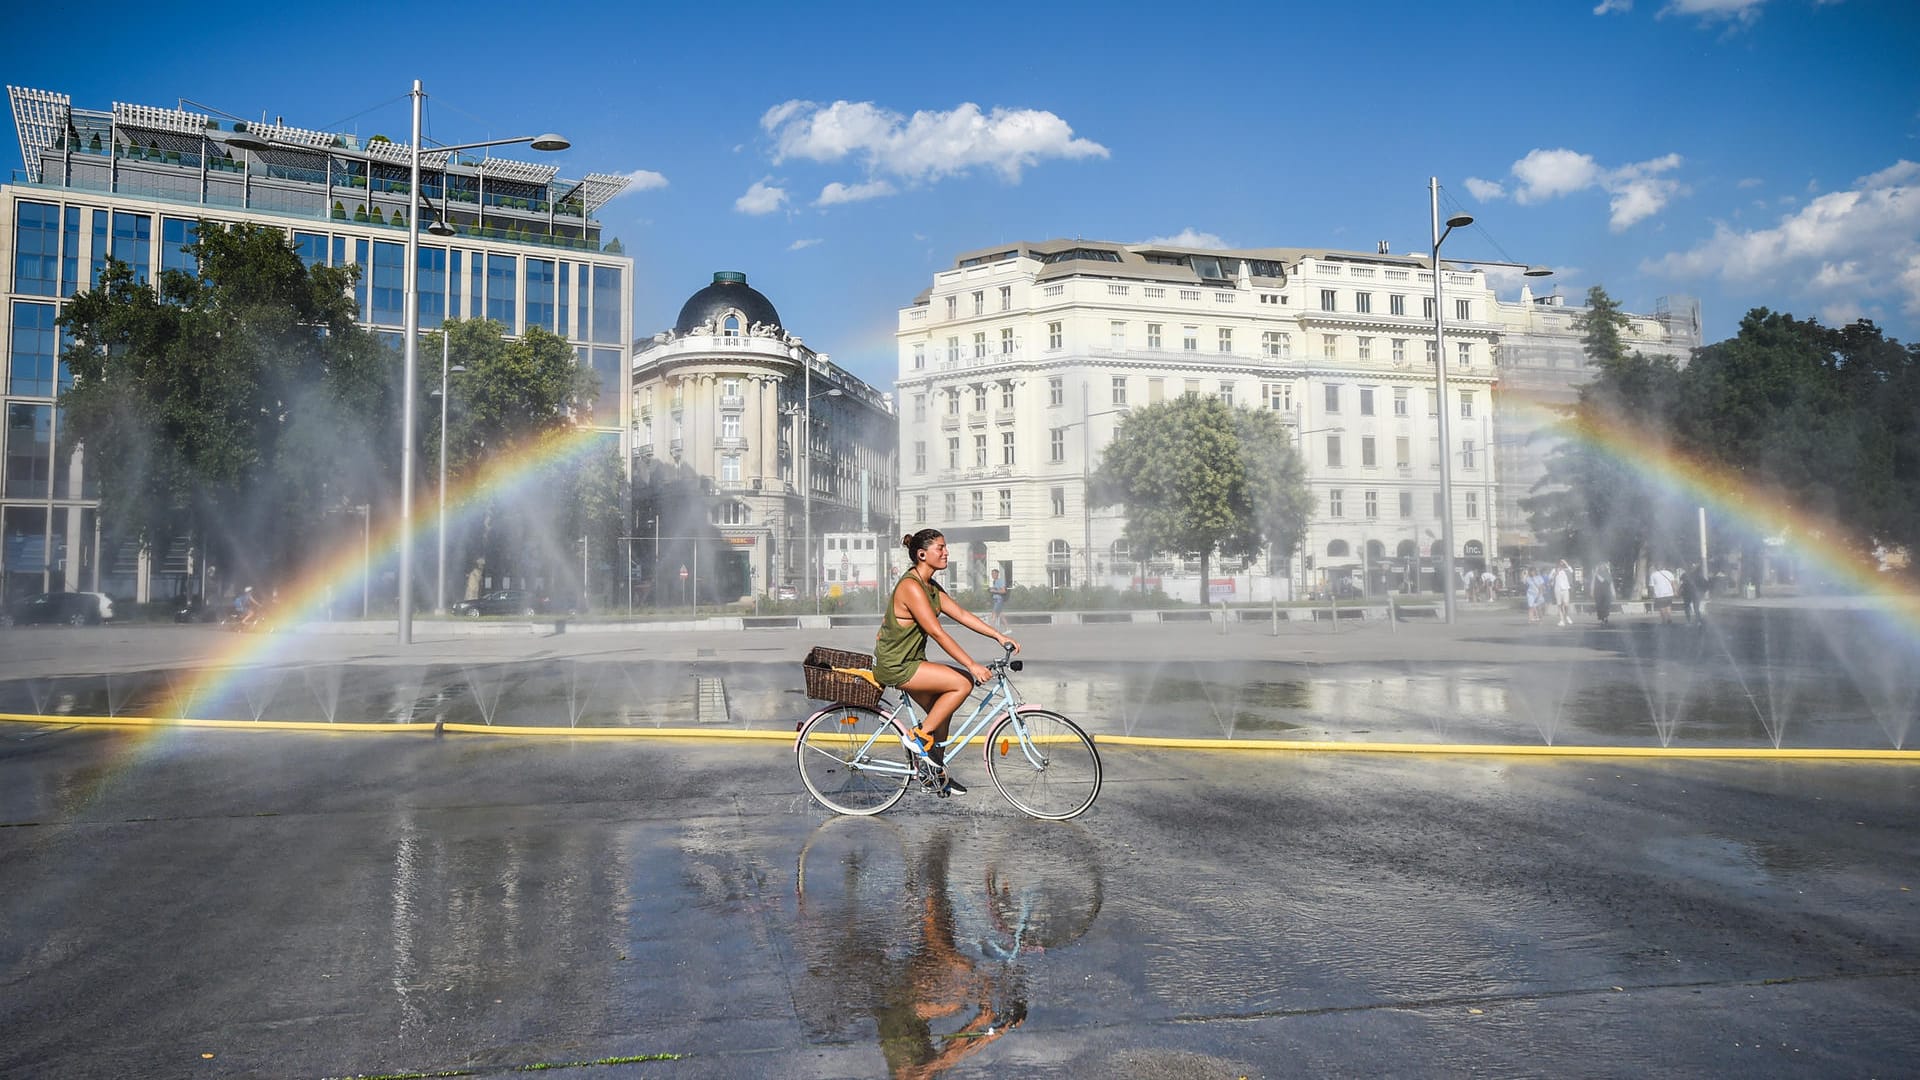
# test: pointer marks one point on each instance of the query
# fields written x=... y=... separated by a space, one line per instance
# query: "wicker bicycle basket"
x=826 y=684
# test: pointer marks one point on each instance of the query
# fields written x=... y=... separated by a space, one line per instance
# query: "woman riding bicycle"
x=900 y=649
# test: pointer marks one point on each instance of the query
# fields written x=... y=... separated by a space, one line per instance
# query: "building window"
x=980 y=345
x=1191 y=388
x=1466 y=404
x=1190 y=338
x=1006 y=395
x=1006 y=298
x=1006 y=448
x=1006 y=503
x=1397 y=304
x=1059 y=502
x=1466 y=453
x=953 y=308
x=1366 y=348
x=953 y=506
x=1433 y=352
x=1473 y=505
x=1270 y=343
x=1403 y=451
x=1333 y=397
x=920 y=501
x=1333 y=502
x=979 y=303
x=920 y=357
x=1226 y=394
x=1056 y=391
x=35 y=351
x=1426 y=307
x=978 y=505
x=1363 y=302
x=1119 y=390
x=1367 y=457
x=1465 y=352
x=540 y=308
x=953 y=452
x=133 y=242
x=1226 y=339
x=953 y=348
x=1333 y=451
x=1463 y=310
x=980 y=451
x=1373 y=504
x=36 y=248
x=1053 y=336
x=1280 y=397
x=1327 y=300
x=730 y=470
x=1399 y=401
x=1117 y=334
x=1329 y=347
x=919 y=408
x=1057 y=445
x=1433 y=404
x=1006 y=341
x=979 y=399
x=1366 y=401
x=920 y=456
x=1399 y=350
x=730 y=426
x=1406 y=504
x=953 y=402
x=1153 y=335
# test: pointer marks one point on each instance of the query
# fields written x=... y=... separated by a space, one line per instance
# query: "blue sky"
x=1746 y=152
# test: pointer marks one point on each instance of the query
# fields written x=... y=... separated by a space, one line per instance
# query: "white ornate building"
x=1016 y=365
x=720 y=404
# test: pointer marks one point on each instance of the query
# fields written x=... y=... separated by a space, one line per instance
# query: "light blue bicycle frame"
x=1000 y=701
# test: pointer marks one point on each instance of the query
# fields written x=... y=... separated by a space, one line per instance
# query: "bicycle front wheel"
x=1043 y=764
x=852 y=760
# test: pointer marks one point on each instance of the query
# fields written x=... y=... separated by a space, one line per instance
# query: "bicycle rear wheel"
x=852 y=760
x=1043 y=764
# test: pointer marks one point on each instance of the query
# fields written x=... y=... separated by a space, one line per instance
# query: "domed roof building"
x=721 y=474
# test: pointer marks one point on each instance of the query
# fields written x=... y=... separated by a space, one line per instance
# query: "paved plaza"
x=213 y=902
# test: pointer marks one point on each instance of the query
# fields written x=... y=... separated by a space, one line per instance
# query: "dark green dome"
x=729 y=292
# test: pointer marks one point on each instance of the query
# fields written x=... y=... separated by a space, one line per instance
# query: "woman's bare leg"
x=938 y=690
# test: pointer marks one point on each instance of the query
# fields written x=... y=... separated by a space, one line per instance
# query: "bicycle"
x=858 y=759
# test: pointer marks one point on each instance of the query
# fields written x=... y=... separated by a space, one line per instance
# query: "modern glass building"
x=132 y=183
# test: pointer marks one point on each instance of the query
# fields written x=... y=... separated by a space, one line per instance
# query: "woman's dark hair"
x=919 y=542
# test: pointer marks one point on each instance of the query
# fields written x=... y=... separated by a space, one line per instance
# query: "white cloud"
x=643 y=180
x=1636 y=191
x=1189 y=238
x=1750 y=182
x=1864 y=243
x=802 y=245
x=1485 y=190
x=926 y=146
x=1744 y=11
x=1610 y=7
x=838 y=192
x=761 y=198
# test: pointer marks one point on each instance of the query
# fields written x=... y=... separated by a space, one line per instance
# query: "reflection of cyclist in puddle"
x=952 y=978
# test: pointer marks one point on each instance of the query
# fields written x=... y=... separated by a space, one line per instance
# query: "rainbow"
x=1731 y=496
x=308 y=597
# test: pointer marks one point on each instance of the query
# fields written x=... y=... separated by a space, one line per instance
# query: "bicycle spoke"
x=1044 y=764
x=851 y=760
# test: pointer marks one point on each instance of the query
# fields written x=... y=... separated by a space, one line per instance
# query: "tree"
x=1197 y=476
x=237 y=407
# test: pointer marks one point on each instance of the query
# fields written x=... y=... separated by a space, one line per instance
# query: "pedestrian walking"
x=1563 y=592
x=1662 y=585
x=1602 y=593
x=1690 y=592
x=1534 y=600
x=997 y=591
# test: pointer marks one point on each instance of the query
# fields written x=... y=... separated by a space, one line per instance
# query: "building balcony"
x=950 y=423
x=733 y=401
x=730 y=442
x=1003 y=416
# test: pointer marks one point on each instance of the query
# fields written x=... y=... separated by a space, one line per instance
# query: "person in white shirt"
x=1661 y=584
x=1563 y=592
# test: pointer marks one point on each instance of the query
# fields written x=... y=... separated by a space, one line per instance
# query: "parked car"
x=501 y=602
x=786 y=592
x=72 y=608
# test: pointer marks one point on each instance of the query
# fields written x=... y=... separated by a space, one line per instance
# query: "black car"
x=72 y=608
x=501 y=602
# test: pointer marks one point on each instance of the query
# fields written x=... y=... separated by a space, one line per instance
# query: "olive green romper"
x=899 y=648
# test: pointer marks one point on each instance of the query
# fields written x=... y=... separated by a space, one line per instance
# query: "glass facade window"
x=35 y=351
x=606 y=374
x=99 y=247
x=477 y=285
x=540 y=294
x=36 y=249
x=177 y=234
x=606 y=304
x=311 y=247
x=432 y=278
x=70 y=254
x=133 y=243
x=389 y=283
x=29 y=452
x=565 y=326
x=502 y=272
x=23 y=530
x=456 y=271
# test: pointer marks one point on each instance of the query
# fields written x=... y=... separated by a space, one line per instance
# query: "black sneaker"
x=950 y=786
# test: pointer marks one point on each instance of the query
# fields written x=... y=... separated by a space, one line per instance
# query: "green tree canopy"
x=1197 y=476
x=235 y=406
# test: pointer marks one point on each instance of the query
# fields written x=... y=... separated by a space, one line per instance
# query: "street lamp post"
x=1440 y=388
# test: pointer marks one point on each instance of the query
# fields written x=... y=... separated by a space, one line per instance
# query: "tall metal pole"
x=440 y=568
x=409 y=369
x=1086 y=487
x=806 y=489
x=1446 y=445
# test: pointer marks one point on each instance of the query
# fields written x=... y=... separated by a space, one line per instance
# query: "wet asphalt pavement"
x=189 y=903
